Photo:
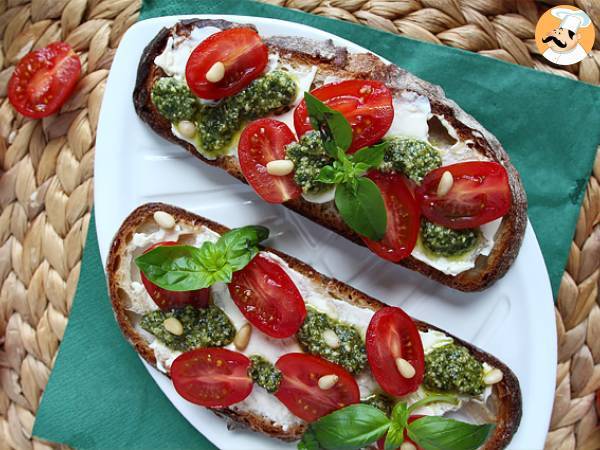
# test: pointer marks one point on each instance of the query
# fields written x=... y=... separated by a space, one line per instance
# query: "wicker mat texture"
x=46 y=170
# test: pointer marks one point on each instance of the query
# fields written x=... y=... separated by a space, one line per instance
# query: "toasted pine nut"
x=164 y=220
x=407 y=446
x=330 y=338
x=327 y=381
x=173 y=326
x=280 y=167
x=242 y=337
x=216 y=72
x=187 y=128
x=445 y=184
x=405 y=368
x=493 y=376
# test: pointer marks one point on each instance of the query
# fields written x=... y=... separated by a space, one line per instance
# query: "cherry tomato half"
x=392 y=334
x=262 y=141
x=212 y=377
x=268 y=298
x=403 y=218
x=479 y=194
x=366 y=104
x=168 y=300
x=381 y=441
x=241 y=51
x=44 y=79
x=300 y=392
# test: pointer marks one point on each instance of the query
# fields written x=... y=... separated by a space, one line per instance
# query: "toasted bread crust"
x=337 y=61
x=507 y=392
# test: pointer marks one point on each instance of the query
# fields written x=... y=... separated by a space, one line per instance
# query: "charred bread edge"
x=507 y=391
x=365 y=65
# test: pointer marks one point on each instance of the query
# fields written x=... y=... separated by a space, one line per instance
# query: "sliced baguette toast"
x=336 y=61
x=505 y=397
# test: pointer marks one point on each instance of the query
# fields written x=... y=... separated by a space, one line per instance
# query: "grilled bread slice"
x=503 y=405
x=337 y=62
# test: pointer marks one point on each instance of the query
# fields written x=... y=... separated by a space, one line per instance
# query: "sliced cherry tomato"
x=268 y=298
x=403 y=218
x=366 y=104
x=392 y=334
x=479 y=194
x=300 y=392
x=44 y=79
x=241 y=51
x=262 y=141
x=168 y=300
x=381 y=441
x=212 y=377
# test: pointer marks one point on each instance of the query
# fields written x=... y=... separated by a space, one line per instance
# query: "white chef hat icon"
x=570 y=19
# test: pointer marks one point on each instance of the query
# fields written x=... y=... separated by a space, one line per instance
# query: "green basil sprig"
x=188 y=268
x=358 y=199
x=359 y=425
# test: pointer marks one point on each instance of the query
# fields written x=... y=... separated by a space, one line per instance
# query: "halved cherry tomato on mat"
x=44 y=79
x=381 y=441
x=479 y=194
x=212 y=377
x=168 y=300
x=366 y=104
x=243 y=55
x=300 y=392
x=392 y=334
x=261 y=142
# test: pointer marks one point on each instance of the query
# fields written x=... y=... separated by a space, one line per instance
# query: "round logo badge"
x=564 y=35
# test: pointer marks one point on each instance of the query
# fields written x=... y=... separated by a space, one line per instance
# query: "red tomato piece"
x=392 y=334
x=381 y=441
x=241 y=51
x=212 y=377
x=44 y=79
x=366 y=104
x=300 y=392
x=403 y=218
x=480 y=193
x=168 y=300
x=262 y=141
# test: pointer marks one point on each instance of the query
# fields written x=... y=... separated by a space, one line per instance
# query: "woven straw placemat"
x=46 y=186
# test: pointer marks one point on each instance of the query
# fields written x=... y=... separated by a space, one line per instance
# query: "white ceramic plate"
x=513 y=320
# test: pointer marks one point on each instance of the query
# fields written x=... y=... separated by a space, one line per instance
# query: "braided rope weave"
x=47 y=168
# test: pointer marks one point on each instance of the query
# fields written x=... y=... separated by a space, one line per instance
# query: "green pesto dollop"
x=217 y=124
x=380 y=401
x=350 y=353
x=174 y=100
x=412 y=157
x=265 y=374
x=308 y=156
x=446 y=241
x=205 y=327
x=451 y=368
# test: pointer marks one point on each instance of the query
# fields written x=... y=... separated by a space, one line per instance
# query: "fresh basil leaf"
x=361 y=206
x=400 y=413
x=329 y=175
x=350 y=428
x=395 y=436
x=359 y=169
x=309 y=441
x=240 y=245
x=333 y=127
x=441 y=433
x=371 y=156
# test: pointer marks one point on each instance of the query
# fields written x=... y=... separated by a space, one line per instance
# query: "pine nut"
x=216 y=72
x=405 y=368
x=493 y=376
x=187 y=128
x=445 y=184
x=407 y=446
x=280 y=167
x=330 y=338
x=242 y=337
x=173 y=326
x=328 y=381
x=164 y=220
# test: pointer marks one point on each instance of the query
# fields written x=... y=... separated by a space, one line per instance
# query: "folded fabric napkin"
x=99 y=395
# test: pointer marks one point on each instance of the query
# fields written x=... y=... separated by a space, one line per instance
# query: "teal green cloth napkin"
x=99 y=395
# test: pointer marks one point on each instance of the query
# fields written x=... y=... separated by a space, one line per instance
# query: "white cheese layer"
x=411 y=113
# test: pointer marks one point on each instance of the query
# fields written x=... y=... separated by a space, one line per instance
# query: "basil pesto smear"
x=308 y=156
x=218 y=123
x=350 y=353
x=205 y=327
x=446 y=241
x=412 y=157
x=265 y=374
x=451 y=368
